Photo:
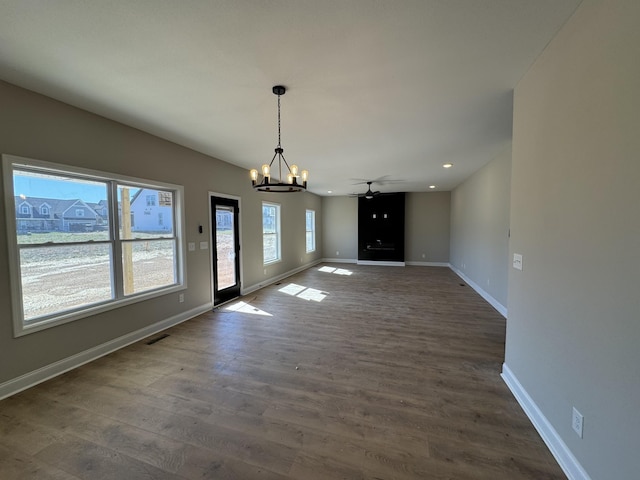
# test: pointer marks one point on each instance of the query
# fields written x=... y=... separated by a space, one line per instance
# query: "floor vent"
x=157 y=339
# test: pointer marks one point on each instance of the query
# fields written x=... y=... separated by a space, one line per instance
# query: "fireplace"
x=381 y=228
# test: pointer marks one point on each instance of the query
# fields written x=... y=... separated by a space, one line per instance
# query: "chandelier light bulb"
x=294 y=170
x=266 y=171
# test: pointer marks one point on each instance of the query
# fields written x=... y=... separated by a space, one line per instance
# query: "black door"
x=226 y=249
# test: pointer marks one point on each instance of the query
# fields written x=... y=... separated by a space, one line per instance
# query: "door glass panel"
x=225 y=247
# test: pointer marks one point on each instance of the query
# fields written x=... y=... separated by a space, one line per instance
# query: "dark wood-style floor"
x=394 y=374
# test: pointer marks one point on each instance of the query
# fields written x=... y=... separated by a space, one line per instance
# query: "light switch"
x=204 y=245
x=192 y=246
x=517 y=261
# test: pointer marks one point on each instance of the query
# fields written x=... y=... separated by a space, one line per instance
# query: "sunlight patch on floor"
x=292 y=289
x=336 y=271
x=244 y=307
x=304 y=293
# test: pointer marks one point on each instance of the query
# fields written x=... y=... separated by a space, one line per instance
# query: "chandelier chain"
x=279 y=144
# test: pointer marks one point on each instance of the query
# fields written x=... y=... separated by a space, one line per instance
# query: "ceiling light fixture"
x=432 y=186
x=447 y=165
x=291 y=172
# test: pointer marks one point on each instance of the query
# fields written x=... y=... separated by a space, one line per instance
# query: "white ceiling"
x=376 y=88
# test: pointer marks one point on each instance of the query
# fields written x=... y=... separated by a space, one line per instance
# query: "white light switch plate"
x=517 y=261
x=192 y=246
x=204 y=245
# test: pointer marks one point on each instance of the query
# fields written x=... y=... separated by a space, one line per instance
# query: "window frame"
x=20 y=328
x=312 y=231
x=278 y=232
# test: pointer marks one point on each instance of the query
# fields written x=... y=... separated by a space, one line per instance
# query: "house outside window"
x=24 y=210
x=120 y=265
x=271 y=232
x=310 y=226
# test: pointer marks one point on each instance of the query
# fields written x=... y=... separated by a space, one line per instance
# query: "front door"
x=226 y=249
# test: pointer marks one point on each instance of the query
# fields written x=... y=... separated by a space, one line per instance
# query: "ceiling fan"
x=368 y=194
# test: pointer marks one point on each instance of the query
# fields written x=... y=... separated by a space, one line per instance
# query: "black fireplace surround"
x=381 y=228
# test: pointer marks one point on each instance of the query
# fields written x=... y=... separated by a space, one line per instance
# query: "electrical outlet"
x=577 y=421
x=337 y=254
x=181 y=298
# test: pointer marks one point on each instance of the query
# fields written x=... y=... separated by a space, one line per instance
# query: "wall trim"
x=380 y=263
x=492 y=301
x=272 y=280
x=28 y=380
x=340 y=260
x=569 y=464
x=428 y=264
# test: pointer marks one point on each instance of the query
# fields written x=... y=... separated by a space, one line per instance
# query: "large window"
x=271 y=232
x=310 y=231
x=81 y=258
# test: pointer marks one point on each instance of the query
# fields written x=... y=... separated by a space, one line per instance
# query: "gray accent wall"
x=427 y=227
x=340 y=235
x=38 y=127
x=480 y=227
x=573 y=331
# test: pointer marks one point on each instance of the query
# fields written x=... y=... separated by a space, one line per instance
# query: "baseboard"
x=427 y=264
x=492 y=301
x=13 y=386
x=339 y=260
x=569 y=464
x=381 y=264
x=272 y=280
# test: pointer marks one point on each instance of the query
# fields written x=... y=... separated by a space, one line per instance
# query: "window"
x=24 y=209
x=44 y=210
x=311 y=230
x=63 y=270
x=271 y=232
x=151 y=200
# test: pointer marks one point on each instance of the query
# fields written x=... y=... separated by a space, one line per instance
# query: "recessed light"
x=329 y=191
x=432 y=186
x=447 y=165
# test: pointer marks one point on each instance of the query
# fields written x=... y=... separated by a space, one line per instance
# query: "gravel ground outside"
x=63 y=277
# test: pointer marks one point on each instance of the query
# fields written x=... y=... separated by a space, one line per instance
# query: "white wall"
x=480 y=227
x=573 y=331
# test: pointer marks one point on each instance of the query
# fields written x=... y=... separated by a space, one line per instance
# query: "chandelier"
x=291 y=173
